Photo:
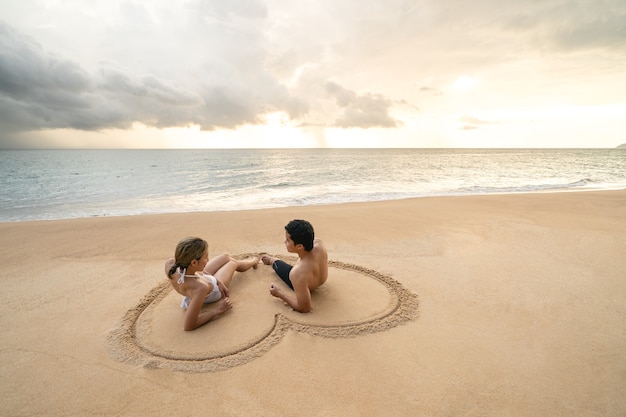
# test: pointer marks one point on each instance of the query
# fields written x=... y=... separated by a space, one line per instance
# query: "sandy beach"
x=495 y=305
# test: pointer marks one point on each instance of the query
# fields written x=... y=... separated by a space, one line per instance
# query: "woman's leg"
x=246 y=264
x=216 y=263
x=226 y=272
x=223 y=267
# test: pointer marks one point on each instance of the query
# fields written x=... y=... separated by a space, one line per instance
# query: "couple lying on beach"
x=201 y=281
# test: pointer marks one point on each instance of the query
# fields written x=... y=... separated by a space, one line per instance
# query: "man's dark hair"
x=301 y=232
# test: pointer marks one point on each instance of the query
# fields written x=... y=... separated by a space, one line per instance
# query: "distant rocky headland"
x=622 y=146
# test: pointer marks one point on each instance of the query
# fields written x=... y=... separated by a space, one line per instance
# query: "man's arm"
x=300 y=299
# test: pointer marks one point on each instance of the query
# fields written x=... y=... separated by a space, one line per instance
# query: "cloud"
x=341 y=63
x=471 y=122
x=41 y=90
x=573 y=26
x=606 y=31
x=36 y=89
x=430 y=91
x=364 y=111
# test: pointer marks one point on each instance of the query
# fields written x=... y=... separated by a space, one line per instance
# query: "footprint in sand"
x=353 y=301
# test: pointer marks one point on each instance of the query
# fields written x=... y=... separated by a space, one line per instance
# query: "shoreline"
x=549 y=191
x=520 y=312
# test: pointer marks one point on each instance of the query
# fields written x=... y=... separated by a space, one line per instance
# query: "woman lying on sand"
x=202 y=281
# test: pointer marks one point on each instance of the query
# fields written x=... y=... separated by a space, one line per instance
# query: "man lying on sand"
x=308 y=273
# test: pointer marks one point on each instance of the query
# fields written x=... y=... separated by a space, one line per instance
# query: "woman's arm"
x=168 y=265
x=194 y=318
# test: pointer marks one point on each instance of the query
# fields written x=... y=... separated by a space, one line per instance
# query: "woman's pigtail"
x=173 y=269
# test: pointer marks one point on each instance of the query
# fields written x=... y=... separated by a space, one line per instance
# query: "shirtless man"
x=307 y=274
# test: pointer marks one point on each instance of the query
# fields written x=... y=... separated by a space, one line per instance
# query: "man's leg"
x=282 y=270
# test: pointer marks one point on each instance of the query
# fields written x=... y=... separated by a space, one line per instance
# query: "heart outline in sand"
x=127 y=344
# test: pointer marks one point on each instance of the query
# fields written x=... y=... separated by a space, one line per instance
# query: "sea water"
x=62 y=184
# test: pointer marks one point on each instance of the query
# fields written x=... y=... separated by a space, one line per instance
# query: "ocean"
x=65 y=184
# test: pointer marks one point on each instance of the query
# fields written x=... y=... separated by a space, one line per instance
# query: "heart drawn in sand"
x=353 y=301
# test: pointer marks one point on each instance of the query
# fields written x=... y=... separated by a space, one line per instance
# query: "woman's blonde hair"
x=187 y=250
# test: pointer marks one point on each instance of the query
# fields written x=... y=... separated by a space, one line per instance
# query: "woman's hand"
x=223 y=288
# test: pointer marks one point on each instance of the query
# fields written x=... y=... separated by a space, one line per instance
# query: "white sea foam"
x=58 y=184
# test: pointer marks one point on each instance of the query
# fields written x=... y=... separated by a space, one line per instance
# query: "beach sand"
x=508 y=305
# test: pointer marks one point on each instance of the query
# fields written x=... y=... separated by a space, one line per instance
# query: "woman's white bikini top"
x=209 y=279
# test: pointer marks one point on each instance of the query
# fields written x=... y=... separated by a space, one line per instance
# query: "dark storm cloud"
x=39 y=90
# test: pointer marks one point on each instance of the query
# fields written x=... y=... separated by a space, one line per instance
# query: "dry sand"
x=455 y=306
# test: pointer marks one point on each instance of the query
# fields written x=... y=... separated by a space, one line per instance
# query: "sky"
x=324 y=73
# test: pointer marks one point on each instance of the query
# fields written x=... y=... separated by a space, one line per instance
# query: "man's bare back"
x=312 y=267
x=307 y=274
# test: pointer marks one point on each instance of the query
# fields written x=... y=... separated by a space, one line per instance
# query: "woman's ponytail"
x=187 y=250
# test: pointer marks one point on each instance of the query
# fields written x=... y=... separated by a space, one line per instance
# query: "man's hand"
x=274 y=290
x=291 y=298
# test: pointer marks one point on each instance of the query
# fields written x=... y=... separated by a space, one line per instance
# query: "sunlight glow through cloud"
x=464 y=83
